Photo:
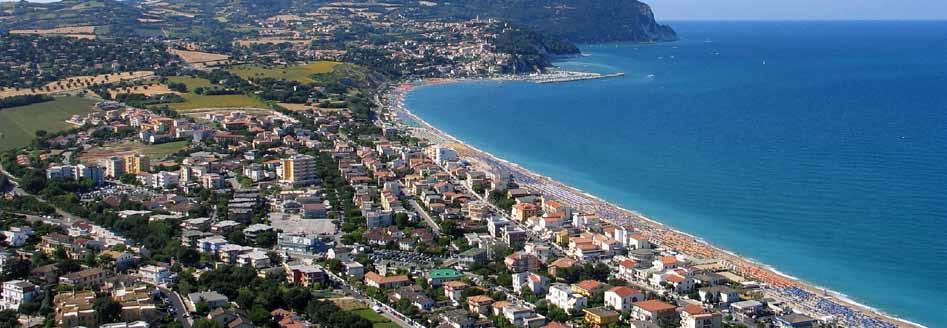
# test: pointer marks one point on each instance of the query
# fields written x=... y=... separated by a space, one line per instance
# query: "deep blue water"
x=819 y=148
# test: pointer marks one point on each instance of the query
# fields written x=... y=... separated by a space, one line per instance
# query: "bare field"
x=295 y=107
x=270 y=40
x=76 y=83
x=60 y=30
x=154 y=152
x=197 y=57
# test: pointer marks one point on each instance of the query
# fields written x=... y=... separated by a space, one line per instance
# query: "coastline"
x=802 y=296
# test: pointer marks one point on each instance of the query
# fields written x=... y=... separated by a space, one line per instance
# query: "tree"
x=8 y=319
x=204 y=323
x=41 y=133
x=107 y=310
x=16 y=270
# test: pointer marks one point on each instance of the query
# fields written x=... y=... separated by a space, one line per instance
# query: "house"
x=378 y=281
x=746 y=309
x=457 y=319
x=155 y=274
x=562 y=263
x=47 y=274
x=17 y=292
x=305 y=275
x=620 y=298
x=600 y=316
x=522 y=261
x=480 y=304
x=85 y=278
x=414 y=295
x=589 y=288
x=229 y=318
x=119 y=259
x=795 y=320
x=75 y=309
x=562 y=296
x=658 y=312
x=454 y=290
x=522 y=316
x=439 y=276
x=694 y=316
x=535 y=283
x=212 y=299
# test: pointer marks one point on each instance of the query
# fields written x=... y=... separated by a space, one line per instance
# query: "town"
x=272 y=180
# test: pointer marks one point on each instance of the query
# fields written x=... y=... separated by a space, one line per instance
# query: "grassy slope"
x=377 y=320
x=19 y=124
x=300 y=73
x=191 y=82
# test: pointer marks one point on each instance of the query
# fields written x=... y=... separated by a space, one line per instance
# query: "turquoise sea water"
x=819 y=148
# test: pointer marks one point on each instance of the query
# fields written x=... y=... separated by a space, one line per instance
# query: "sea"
x=818 y=148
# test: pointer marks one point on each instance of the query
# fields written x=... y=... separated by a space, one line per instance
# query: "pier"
x=565 y=76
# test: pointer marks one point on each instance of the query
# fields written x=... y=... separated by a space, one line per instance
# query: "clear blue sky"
x=799 y=9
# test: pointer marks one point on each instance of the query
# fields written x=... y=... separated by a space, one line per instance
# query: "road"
x=20 y=192
x=178 y=304
x=427 y=217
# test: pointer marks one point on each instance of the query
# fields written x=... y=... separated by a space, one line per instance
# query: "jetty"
x=568 y=76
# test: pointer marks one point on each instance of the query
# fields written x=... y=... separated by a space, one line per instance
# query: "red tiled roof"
x=654 y=306
x=624 y=291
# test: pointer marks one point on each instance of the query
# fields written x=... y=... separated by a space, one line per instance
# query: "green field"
x=160 y=151
x=377 y=320
x=300 y=73
x=195 y=101
x=18 y=125
x=191 y=82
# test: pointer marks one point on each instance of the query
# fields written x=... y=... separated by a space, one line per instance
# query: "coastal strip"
x=802 y=296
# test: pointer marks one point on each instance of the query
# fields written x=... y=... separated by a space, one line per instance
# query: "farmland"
x=300 y=73
x=18 y=125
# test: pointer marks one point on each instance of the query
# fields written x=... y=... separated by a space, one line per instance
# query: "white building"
x=536 y=284
x=561 y=295
x=155 y=275
x=620 y=298
x=17 y=292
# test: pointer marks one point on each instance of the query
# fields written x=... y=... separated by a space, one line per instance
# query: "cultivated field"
x=147 y=90
x=18 y=125
x=76 y=83
x=154 y=152
x=194 y=101
x=191 y=82
x=300 y=73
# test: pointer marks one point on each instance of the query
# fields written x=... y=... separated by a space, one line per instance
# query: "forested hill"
x=581 y=21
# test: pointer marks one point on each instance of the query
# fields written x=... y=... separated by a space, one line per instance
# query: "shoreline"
x=778 y=285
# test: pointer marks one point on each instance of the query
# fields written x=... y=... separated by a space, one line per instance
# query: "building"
x=212 y=299
x=135 y=164
x=114 y=167
x=522 y=316
x=16 y=292
x=154 y=274
x=561 y=296
x=620 y=298
x=480 y=304
x=74 y=309
x=305 y=275
x=378 y=281
x=536 y=284
x=85 y=278
x=521 y=262
x=600 y=316
x=137 y=303
x=299 y=170
x=795 y=320
x=299 y=243
x=694 y=316
x=439 y=276
x=354 y=269
x=657 y=312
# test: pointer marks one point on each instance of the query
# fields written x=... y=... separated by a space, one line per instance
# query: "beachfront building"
x=694 y=316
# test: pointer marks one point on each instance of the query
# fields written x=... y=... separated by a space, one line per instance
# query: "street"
x=178 y=305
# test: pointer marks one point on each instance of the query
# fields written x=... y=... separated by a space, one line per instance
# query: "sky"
x=665 y=10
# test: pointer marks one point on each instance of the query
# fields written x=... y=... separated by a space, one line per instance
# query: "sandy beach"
x=803 y=297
